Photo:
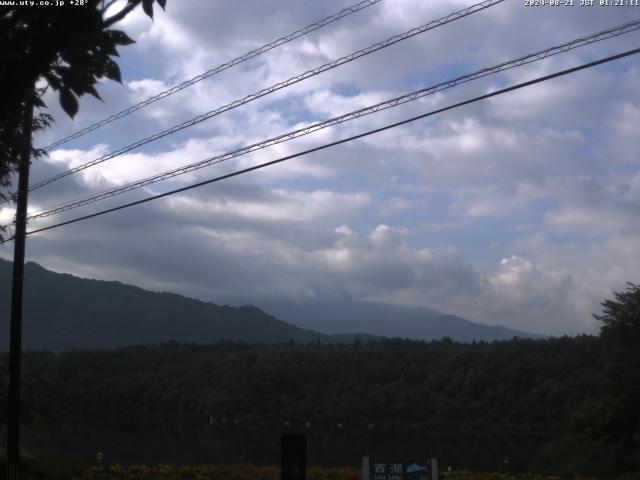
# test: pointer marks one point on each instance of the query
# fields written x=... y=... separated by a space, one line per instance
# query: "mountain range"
x=64 y=312
x=342 y=315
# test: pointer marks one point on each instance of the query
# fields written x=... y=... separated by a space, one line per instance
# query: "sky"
x=520 y=210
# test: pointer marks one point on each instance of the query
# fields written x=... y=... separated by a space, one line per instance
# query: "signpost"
x=386 y=469
x=294 y=457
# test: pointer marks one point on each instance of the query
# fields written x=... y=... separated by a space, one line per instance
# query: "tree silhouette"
x=620 y=333
x=67 y=49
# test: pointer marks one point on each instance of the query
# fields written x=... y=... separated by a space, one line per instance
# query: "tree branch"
x=121 y=14
x=107 y=6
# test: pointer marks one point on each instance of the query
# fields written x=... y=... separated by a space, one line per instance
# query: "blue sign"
x=385 y=469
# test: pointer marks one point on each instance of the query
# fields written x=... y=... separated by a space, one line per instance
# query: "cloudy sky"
x=520 y=210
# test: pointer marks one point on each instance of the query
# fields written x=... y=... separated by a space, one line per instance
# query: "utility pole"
x=15 y=337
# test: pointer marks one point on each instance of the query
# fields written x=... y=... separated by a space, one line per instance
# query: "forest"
x=544 y=386
x=583 y=391
x=514 y=384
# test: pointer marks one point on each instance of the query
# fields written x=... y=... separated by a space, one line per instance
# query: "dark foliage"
x=69 y=49
x=518 y=386
x=617 y=416
x=603 y=434
x=524 y=385
x=553 y=387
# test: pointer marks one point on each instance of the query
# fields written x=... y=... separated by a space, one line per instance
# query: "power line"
x=344 y=140
x=278 y=86
x=209 y=73
x=526 y=59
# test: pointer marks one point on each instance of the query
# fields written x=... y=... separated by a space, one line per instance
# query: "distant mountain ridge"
x=341 y=315
x=63 y=312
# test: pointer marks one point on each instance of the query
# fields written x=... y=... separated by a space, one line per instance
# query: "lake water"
x=481 y=452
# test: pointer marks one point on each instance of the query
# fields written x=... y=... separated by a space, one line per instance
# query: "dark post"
x=15 y=337
x=294 y=457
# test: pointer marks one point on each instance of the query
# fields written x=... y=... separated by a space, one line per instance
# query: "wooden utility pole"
x=15 y=337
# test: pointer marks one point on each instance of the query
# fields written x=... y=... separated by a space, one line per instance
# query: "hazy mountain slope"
x=341 y=315
x=62 y=311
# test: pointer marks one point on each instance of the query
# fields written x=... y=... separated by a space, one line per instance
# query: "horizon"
x=343 y=308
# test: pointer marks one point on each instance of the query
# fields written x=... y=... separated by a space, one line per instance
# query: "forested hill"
x=62 y=312
x=554 y=387
x=529 y=385
x=522 y=387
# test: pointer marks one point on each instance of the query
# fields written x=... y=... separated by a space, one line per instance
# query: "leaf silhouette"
x=147 y=6
x=69 y=102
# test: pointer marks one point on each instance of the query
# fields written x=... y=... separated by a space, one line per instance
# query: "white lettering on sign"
x=380 y=467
